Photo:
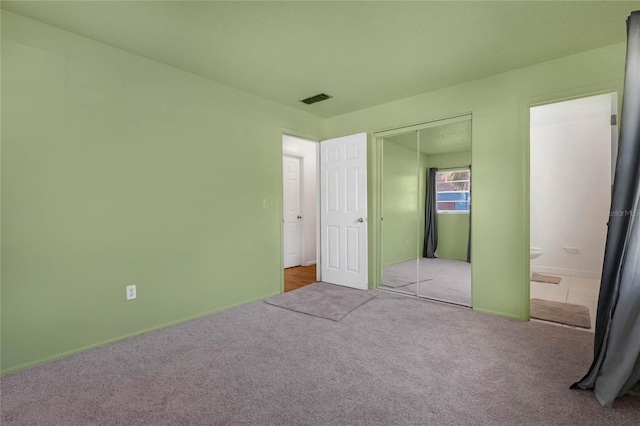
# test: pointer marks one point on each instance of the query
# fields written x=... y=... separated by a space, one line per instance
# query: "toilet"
x=535 y=252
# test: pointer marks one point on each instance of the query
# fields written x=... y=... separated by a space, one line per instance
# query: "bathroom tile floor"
x=572 y=289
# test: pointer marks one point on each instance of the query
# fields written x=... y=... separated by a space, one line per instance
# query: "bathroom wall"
x=570 y=185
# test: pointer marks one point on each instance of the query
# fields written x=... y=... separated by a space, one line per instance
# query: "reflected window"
x=453 y=189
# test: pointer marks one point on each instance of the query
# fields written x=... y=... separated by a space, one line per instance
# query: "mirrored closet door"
x=426 y=205
x=401 y=191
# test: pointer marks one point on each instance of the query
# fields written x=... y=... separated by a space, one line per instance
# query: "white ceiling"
x=361 y=53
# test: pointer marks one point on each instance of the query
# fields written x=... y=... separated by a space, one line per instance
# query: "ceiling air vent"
x=316 y=98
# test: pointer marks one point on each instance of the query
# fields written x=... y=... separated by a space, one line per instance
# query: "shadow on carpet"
x=323 y=300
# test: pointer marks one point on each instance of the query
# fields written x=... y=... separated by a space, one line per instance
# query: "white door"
x=343 y=216
x=291 y=210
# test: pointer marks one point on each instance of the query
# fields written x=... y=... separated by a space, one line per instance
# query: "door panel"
x=353 y=238
x=291 y=211
x=333 y=244
x=352 y=190
x=343 y=235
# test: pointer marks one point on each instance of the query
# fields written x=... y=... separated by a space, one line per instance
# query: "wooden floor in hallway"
x=299 y=276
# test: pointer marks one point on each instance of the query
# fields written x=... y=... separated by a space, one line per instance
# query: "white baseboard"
x=562 y=271
x=313 y=262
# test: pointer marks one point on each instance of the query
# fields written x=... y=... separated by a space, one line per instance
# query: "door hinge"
x=614 y=120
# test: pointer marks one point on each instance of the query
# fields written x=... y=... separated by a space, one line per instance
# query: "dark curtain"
x=616 y=366
x=431 y=217
x=469 y=240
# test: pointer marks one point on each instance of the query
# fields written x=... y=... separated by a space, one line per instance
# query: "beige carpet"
x=545 y=278
x=394 y=361
x=563 y=313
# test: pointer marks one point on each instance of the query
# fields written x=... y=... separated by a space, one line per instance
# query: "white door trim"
x=318 y=218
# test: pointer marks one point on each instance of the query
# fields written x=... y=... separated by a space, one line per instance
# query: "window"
x=453 y=191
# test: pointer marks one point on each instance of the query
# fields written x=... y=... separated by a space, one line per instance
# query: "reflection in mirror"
x=444 y=268
x=402 y=208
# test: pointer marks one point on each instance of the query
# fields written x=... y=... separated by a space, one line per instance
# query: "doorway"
x=573 y=148
x=325 y=224
x=426 y=210
x=300 y=224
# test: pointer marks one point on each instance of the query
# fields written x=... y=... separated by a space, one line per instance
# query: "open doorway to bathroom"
x=299 y=211
x=573 y=152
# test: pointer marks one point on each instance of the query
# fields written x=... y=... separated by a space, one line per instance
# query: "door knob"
x=299 y=217
x=360 y=220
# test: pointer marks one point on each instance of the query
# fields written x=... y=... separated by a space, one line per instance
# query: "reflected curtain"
x=470 y=201
x=615 y=370
x=431 y=217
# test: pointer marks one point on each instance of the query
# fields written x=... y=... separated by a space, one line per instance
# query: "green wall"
x=403 y=196
x=453 y=229
x=453 y=235
x=403 y=203
x=500 y=108
x=118 y=170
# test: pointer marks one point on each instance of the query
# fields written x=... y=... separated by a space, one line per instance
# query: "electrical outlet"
x=131 y=292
